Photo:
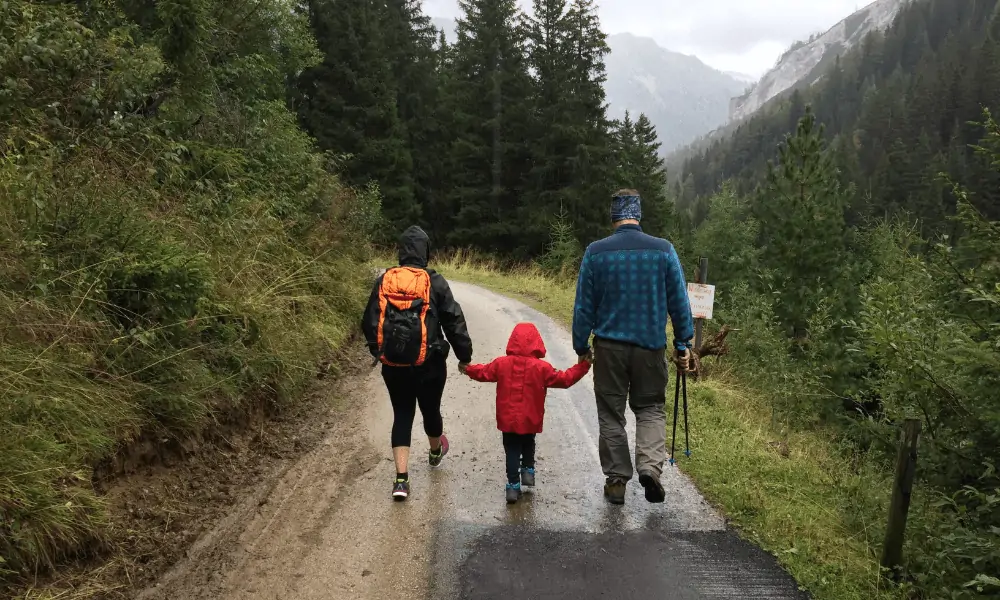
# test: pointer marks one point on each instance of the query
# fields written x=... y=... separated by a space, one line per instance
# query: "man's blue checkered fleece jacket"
x=629 y=283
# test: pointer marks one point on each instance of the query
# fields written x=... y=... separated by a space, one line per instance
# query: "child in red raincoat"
x=522 y=378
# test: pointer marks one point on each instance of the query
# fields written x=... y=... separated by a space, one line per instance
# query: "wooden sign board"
x=702 y=298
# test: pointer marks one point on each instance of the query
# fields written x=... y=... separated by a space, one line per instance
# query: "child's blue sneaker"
x=513 y=492
x=528 y=476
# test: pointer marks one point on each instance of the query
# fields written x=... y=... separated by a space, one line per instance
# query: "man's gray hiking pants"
x=627 y=374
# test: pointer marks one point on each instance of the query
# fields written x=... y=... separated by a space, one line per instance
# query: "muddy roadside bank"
x=177 y=503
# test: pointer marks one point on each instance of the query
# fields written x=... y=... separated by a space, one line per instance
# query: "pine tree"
x=489 y=90
x=562 y=257
x=987 y=82
x=729 y=236
x=917 y=178
x=987 y=77
x=844 y=153
x=436 y=178
x=928 y=204
x=591 y=160
x=623 y=147
x=570 y=146
x=411 y=46
x=686 y=197
x=638 y=165
x=549 y=179
x=796 y=109
x=801 y=211
x=349 y=105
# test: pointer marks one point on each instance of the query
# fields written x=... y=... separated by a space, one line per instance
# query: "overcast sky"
x=730 y=35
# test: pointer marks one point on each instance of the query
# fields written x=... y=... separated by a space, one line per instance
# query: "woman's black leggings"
x=520 y=451
x=412 y=386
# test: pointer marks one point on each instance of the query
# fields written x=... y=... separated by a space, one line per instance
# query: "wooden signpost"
x=702 y=298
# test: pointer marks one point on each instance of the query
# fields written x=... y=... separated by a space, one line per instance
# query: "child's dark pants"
x=520 y=450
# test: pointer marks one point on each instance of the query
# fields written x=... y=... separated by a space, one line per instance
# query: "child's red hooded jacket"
x=522 y=378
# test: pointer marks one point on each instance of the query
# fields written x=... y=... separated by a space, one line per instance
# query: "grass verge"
x=792 y=492
x=84 y=399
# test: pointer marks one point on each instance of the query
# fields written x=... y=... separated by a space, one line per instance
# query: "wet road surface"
x=328 y=529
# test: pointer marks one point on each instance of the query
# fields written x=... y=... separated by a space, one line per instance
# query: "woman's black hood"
x=414 y=248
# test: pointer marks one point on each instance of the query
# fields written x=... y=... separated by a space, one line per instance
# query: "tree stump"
x=713 y=346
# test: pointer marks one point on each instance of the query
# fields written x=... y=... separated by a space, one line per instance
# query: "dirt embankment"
x=164 y=496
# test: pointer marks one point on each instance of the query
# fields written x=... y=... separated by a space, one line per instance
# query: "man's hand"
x=683 y=360
x=588 y=357
x=463 y=367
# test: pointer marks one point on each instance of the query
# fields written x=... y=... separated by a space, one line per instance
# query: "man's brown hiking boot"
x=654 y=489
x=614 y=491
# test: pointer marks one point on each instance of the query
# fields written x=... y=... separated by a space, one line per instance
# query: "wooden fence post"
x=899 y=506
x=699 y=323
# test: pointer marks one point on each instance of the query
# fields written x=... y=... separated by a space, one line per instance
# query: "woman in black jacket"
x=418 y=382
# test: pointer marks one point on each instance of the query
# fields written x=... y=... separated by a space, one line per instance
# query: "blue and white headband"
x=624 y=208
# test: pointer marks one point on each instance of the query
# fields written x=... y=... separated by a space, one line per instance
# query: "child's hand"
x=463 y=368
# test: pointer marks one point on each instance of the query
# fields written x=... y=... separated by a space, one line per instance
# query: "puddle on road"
x=507 y=562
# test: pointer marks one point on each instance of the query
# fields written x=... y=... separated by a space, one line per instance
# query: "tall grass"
x=194 y=326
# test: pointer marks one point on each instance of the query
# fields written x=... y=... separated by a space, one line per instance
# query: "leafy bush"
x=928 y=327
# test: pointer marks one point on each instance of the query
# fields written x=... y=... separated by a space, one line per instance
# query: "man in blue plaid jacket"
x=629 y=282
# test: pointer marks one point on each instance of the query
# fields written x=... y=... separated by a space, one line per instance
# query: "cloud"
x=743 y=35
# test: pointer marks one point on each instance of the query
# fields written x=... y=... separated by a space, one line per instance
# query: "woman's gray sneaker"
x=400 y=489
x=435 y=458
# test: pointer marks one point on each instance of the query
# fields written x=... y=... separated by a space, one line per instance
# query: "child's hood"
x=525 y=341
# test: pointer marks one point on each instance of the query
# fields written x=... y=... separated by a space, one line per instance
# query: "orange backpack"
x=404 y=298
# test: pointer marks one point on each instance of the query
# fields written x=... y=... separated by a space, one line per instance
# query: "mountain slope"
x=897 y=113
x=742 y=77
x=681 y=95
x=805 y=62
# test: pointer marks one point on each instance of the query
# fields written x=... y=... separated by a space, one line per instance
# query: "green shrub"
x=912 y=333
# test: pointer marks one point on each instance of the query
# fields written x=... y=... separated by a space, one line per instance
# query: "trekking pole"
x=684 y=384
x=677 y=392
